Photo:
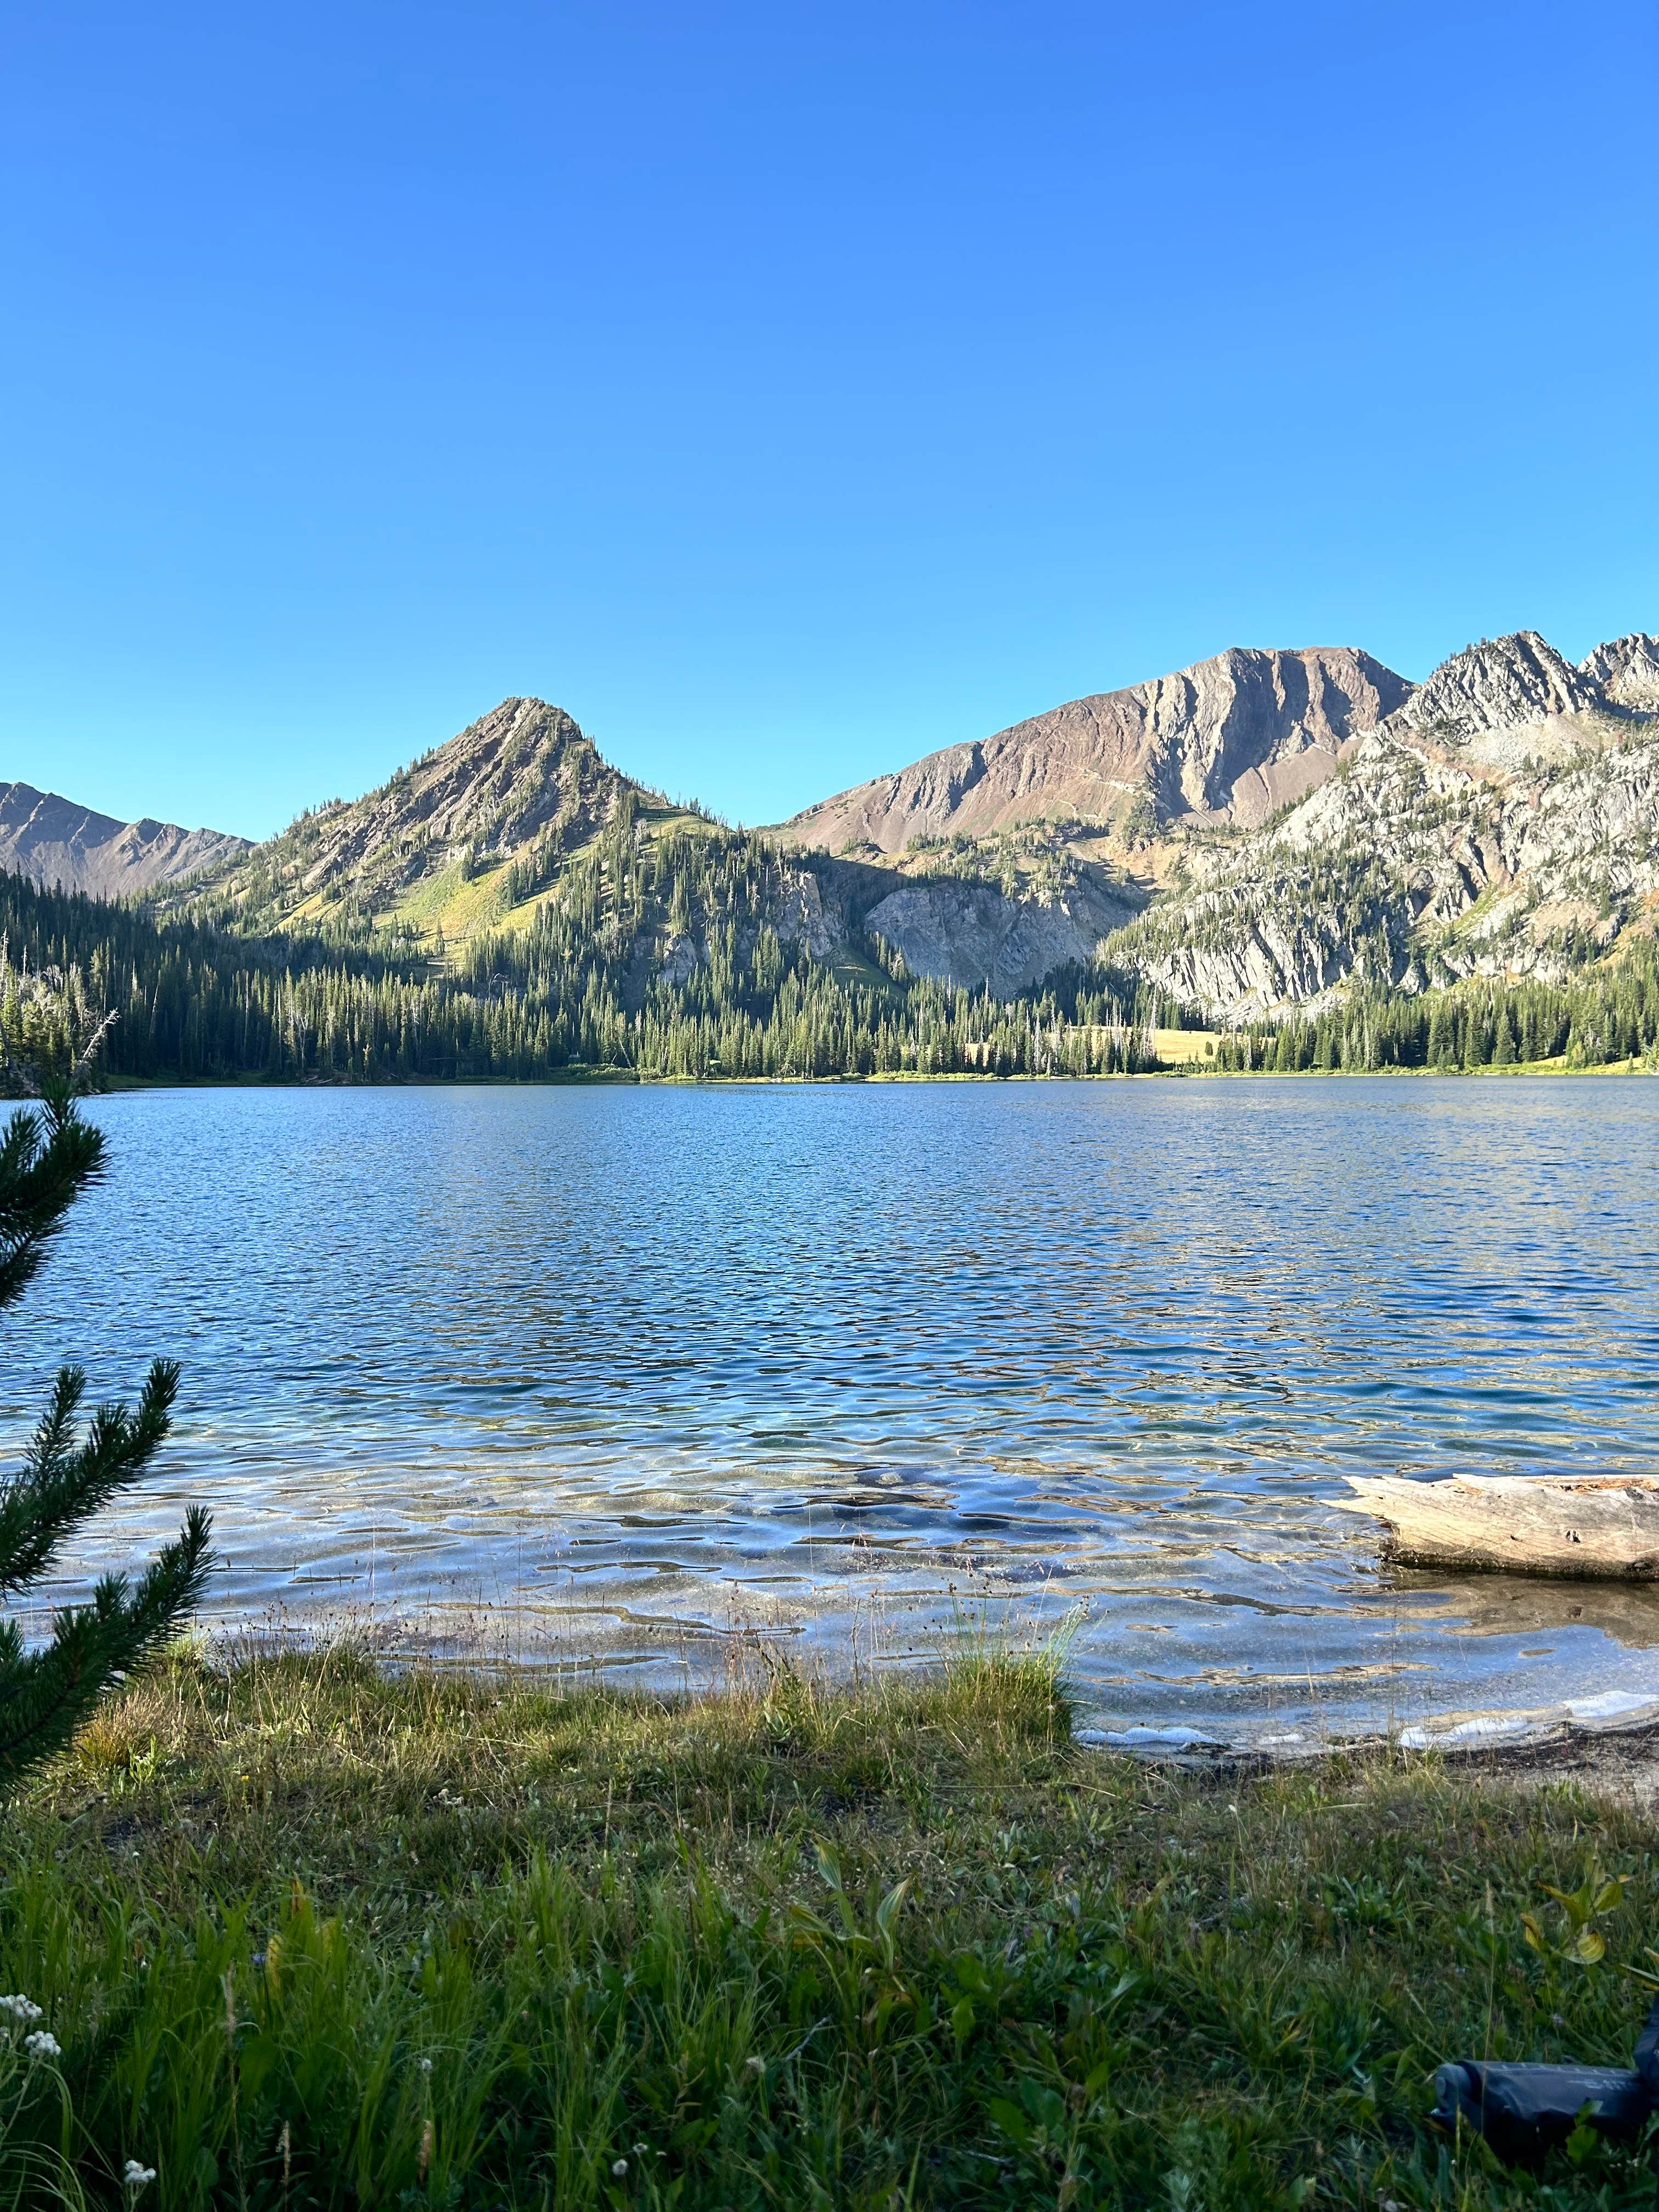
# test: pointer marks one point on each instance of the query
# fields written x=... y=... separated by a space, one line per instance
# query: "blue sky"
x=788 y=391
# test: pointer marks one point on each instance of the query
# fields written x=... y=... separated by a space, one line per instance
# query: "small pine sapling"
x=49 y=1155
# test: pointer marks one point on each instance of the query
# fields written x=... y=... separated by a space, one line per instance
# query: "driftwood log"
x=1522 y=1524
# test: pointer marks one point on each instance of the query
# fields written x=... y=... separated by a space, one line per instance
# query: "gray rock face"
x=974 y=935
x=1503 y=684
x=1230 y=738
x=1626 y=669
x=56 y=843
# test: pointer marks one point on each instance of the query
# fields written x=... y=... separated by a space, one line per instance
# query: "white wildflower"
x=619 y=2167
x=426 y=2066
x=754 y=2066
x=43 y=2045
x=137 y=2177
x=20 y=2009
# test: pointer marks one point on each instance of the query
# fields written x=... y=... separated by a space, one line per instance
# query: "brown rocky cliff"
x=1232 y=737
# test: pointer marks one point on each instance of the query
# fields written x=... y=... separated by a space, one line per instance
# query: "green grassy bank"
x=309 y=1937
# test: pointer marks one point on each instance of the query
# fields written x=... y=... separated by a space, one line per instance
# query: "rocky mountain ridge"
x=1305 y=823
x=1230 y=738
x=1504 y=821
x=480 y=834
x=56 y=843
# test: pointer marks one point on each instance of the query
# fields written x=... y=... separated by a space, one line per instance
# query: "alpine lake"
x=650 y=1380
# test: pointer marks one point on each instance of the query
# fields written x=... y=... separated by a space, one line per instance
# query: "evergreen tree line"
x=581 y=989
x=660 y=956
x=1602 y=1018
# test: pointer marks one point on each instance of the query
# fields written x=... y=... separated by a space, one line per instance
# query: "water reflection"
x=1528 y=1605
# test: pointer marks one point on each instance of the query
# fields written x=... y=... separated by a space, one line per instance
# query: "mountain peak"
x=496 y=785
x=522 y=779
x=1232 y=736
x=1501 y=683
x=1627 y=670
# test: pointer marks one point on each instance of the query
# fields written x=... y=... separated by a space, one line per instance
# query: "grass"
x=1180 y=1047
x=312 y=1936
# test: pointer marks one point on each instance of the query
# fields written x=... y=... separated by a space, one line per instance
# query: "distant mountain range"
x=1253 y=834
x=54 y=842
x=477 y=836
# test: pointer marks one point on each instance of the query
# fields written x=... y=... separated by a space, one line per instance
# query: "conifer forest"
x=205 y=994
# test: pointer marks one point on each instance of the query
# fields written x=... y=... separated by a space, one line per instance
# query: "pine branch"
x=61 y=1486
x=48 y=1157
x=46 y=1695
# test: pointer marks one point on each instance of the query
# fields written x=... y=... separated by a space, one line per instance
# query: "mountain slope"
x=1232 y=737
x=53 y=841
x=519 y=817
x=522 y=785
x=1504 y=821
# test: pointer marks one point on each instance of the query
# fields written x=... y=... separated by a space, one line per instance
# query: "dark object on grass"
x=1525 y=2110
x=48 y=1157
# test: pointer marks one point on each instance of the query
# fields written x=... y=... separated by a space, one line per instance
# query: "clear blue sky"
x=789 y=389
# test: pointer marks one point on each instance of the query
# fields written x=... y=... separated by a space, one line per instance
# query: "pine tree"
x=49 y=1155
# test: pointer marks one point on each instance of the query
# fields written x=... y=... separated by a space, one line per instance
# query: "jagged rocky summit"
x=1627 y=670
x=57 y=843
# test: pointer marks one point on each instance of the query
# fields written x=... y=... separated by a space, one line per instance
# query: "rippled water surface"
x=619 y=1369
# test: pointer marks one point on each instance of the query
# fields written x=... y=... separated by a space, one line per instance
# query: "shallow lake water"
x=610 y=1374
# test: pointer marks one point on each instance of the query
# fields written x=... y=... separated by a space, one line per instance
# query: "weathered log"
x=1526 y=1524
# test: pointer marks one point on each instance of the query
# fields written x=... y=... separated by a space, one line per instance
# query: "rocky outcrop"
x=56 y=843
x=988 y=939
x=1505 y=700
x=1451 y=842
x=1228 y=739
x=956 y=929
x=1501 y=683
x=1626 y=671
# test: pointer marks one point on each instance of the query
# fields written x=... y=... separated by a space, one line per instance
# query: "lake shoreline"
x=114 y=1086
